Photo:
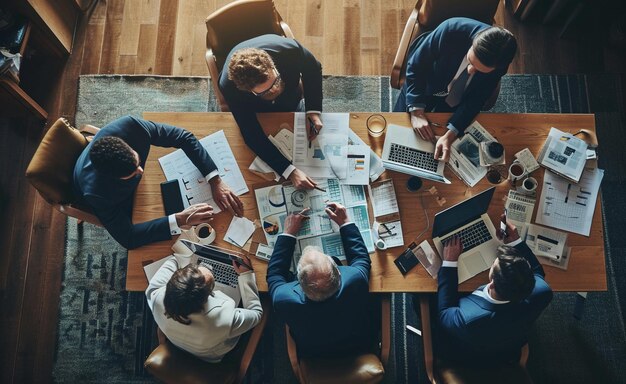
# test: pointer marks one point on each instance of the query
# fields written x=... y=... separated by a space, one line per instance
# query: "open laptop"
x=470 y=221
x=219 y=261
x=405 y=152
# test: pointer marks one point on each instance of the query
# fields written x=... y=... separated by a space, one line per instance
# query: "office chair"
x=170 y=364
x=52 y=167
x=426 y=16
x=233 y=23
x=442 y=372
x=363 y=368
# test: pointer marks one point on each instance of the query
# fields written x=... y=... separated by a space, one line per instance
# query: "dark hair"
x=111 y=155
x=512 y=277
x=186 y=293
x=495 y=47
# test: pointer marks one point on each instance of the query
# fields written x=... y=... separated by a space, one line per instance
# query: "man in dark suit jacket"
x=327 y=307
x=263 y=75
x=110 y=168
x=454 y=68
x=493 y=323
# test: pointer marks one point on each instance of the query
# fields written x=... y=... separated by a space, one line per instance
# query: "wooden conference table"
x=586 y=271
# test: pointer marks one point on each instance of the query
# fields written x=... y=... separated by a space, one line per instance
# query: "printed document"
x=239 y=231
x=568 y=206
x=519 y=210
x=376 y=163
x=315 y=158
x=465 y=157
x=564 y=153
x=193 y=185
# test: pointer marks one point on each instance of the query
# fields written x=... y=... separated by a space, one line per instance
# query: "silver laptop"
x=470 y=221
x=219 y=261
x=405 y=152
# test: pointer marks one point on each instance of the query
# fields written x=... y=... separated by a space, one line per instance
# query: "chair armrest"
x=399 y=62
x=214 y=76
x=427 y=336
x=89 y=129
x=293 y=354
x=253 y=341
x=78 y=214
x=524 y=355
x=286 y=30
x=385 y=344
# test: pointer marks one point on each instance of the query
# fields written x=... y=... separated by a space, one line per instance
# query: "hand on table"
x=442 y=148
x=225 y=198
x=337 y=213
x=511 y=232
x=452 y=249
x=194 y=215
x=300 y=180
x=293 y=222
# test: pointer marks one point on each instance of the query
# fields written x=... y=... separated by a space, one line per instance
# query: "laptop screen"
x=208 y=252
x=462 y=213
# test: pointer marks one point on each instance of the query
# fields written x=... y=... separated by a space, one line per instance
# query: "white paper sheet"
x=465 y=157
x=193 y=186
x=520 y=209
x=376 y=163
x=334 y=135
x=239 y=231
x=569 y=206
x=358 y=166
x=383 y=198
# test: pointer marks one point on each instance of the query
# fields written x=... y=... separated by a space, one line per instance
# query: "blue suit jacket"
x=293 y=62
x=112 y=198
x=434 y=61
x=337 y=325
x=473 y=330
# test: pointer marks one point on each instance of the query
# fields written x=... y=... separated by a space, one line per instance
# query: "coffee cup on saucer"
x=205 y=233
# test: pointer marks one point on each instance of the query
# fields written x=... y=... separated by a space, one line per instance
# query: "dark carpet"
x=105 y=333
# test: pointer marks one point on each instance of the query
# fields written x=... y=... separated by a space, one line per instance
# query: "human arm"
x=447 y=285
x=160 y=279
x=311 y=71
x=249 y=316
x=513 y=239
x=353 y=244
x=278 y=269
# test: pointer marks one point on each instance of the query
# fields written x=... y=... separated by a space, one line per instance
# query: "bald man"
x=326 y=307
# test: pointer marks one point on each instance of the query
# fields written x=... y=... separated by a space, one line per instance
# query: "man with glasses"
x=108 y=171
x=263 y=74
x=455 y=68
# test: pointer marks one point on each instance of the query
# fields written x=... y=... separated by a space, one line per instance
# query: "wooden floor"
x=166 y=37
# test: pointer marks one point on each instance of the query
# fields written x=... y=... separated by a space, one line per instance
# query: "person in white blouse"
x=197 y=318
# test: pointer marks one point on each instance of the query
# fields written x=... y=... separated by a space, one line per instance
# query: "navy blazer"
x=473 y=330
x=337 y=325
x=111 y=198
x=434 y=61
x=293 y=62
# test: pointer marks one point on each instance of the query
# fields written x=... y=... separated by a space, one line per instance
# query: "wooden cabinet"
x=45 y=49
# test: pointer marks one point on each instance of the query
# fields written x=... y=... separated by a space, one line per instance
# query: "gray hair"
x=318 y=274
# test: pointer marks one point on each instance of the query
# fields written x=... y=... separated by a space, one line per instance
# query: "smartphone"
x=240 y=261
x=172 y=198
x=407 y=260
x=503 y=226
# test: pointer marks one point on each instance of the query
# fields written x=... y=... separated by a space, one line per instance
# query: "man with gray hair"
x=327 y=308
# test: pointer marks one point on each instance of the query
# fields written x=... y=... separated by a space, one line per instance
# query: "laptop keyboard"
x=413 y=157
x=472 y=236
x=222 y=273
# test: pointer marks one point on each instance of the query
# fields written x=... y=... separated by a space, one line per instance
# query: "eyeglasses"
x=276 y=82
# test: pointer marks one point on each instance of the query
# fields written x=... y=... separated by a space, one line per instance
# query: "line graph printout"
x=193 y=186
x=569 y=206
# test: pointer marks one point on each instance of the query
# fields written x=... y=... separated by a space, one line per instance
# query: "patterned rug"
x=105 y=333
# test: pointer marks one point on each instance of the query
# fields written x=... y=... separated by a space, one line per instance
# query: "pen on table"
x=319 y=189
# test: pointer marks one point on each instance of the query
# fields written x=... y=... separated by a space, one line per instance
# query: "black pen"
x=312 y=129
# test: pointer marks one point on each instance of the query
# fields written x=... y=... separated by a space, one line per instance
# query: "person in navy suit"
x=108 y=171
x=493 y=323
x=455 y=68
x=326 y=308
x=263 y=74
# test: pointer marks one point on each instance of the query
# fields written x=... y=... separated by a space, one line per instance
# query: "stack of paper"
x=548 y=244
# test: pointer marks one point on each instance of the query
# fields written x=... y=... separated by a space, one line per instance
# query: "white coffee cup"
x=205 y=233
x=516 y=173
x=528 y=186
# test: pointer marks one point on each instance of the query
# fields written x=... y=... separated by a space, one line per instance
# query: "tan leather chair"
x=52 y=167
x=365 y=368
x=441 y=372
x=233 y=23
x=426 y=16
x=170 y=364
